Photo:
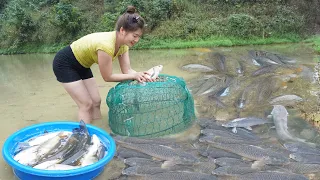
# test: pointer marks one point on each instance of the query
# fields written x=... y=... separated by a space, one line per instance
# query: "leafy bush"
x=18 y=25
x=67 y=20
x=108 y=22
x=285 y=21
x=152 y=11
x=243 y=25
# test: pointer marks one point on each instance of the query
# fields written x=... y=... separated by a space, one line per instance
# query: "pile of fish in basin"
x=256 y=141
x=61 y=150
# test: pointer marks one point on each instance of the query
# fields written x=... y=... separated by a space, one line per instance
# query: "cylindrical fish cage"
x=150 y=109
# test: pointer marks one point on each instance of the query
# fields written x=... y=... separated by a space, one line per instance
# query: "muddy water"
x=30 y=94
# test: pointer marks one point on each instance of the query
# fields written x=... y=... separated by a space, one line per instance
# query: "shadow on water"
x=30 y=93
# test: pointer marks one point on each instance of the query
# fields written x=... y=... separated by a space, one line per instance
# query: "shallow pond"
x=30 y=93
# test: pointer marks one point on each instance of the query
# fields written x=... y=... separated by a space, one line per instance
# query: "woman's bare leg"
x=79 y=93
x=93 y=90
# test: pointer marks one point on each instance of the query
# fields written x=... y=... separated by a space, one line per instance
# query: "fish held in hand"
x=155 y=71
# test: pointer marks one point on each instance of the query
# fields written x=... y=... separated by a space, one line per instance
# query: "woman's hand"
x=143 y=77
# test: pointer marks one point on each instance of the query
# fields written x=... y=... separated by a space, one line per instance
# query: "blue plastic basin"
x=28 y=173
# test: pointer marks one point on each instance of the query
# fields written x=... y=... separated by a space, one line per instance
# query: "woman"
x=71 y=65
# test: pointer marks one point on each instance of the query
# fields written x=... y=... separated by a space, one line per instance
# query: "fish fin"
x=258 y=164
x=83 y=127
x=167 y=164
x=234 y=130
x=249 y=128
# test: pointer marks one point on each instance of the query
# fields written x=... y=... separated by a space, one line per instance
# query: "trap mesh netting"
x=151 y=109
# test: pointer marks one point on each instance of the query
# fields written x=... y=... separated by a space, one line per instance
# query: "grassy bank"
x=152 y=43
x=174 y=44
x=317 y=44
x=211 y=42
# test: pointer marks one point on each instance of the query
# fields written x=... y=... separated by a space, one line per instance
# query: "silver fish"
x=64 y=152
x=129 y=153
x=244 y=133
x=232 y=170
x=280 y=118
x=134 y=161
x=220 y=139
x=210 y=85
x=265 y=90
x=305 y=158
x=301 y=148
x=226 y=161
x=205 y=167
x=218 y=60
x=91 y=156
x=264 y=70
x=181 y=176
x=46 y=164
x=286 y=100
x=82 y=146
x=28 y=156
x=302 y=168
x=50 y=147
x=254 y=153
x=41 y=138
x=245 y=122
x=142 y=170
x=212 y=152
x=272 y=175
x=164 y=153
x=197 y=68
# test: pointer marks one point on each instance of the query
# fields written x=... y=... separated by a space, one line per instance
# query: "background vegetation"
x=47 y=25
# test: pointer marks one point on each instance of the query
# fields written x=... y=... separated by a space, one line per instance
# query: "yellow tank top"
x=85 y=49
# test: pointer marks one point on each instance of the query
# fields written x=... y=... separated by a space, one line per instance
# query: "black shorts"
x=67 y=68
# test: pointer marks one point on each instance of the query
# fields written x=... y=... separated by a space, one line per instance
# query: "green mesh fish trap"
x=151 y=109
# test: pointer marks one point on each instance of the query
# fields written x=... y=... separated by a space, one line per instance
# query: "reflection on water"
x=30 y=93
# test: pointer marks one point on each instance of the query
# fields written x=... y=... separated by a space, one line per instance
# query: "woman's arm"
x=105 y=66
x=125 y=64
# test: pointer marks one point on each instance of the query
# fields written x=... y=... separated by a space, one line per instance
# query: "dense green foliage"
x=317 y=44
x=46 y=25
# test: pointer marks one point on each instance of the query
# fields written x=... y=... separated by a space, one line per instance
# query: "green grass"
x=153 y=43
x=28 y=49
x=317 y=44
x=211 y=42
x=315 y=40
